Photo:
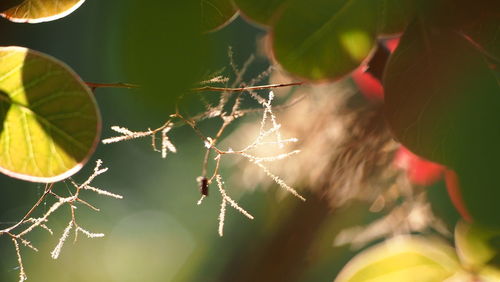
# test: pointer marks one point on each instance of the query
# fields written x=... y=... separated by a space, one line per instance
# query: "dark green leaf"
x=327 y=39
x=164 y=51
x=442 y=99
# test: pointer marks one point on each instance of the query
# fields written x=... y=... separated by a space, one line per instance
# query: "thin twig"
x=248 y=88
x=94 y=85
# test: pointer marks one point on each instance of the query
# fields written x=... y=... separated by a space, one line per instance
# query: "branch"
x=249 y=88
x=94 y=85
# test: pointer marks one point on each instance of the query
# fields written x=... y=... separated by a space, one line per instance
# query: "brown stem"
x=94 y=85
x=249 y=88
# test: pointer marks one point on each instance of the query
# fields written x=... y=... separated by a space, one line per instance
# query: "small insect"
x=203 y=182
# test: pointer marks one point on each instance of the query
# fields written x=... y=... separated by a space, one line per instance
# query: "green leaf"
x=327 y=39
x=411 y=258
x=36 y=11
x=261 y=11
x=441 y=101
x=216 y=13
x=474 y=244
x=49 y=121
x=164 y=51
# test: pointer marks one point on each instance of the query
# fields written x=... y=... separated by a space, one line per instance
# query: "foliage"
x=50 y=126
x=414 y=258
x=440 y=85
x=403 y=258
x=448 y=112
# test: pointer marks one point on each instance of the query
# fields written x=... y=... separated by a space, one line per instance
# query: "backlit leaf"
x=475 y=245
x=409 y=259
x=36 y=11
x=49 y=121
x=489 y=273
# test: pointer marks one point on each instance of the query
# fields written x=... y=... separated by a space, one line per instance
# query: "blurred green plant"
x=417 y=258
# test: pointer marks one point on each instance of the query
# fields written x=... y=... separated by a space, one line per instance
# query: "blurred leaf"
x=325 y=39
x=36 y=11
x=473 y=243
x=261 y=11
x=165 y=52
x=441 y=102
x=402 y=259
x=489 y=274
x=395 y=15
x=485 y=33
x=49 y=121
x=216 y=13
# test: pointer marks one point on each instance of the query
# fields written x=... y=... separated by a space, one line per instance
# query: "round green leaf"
x=474 y=244
x=49 y=121
x=216 y=13
x=441 y=101
x=402 y=259
x=327 y=39
x=36 y=11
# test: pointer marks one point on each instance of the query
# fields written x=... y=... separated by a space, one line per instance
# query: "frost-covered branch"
x=28 y=223
x=228 y=108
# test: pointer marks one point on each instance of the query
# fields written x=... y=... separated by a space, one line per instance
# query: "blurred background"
x=157 y=232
